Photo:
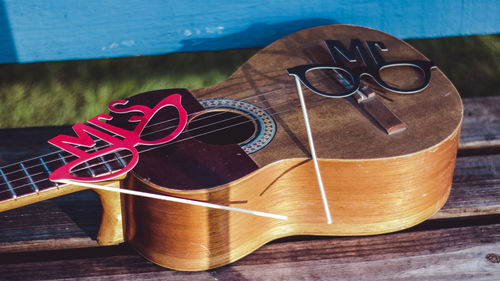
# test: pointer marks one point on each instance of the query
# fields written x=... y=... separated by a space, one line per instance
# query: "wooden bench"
x=56 y=239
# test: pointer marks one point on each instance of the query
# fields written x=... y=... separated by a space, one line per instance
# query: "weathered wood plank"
x=476 y=188
x=453 y=253
x=64 y=222
x=61 y=30
x=481 y=126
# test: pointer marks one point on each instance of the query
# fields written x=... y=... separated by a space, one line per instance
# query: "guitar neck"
x=27 y=182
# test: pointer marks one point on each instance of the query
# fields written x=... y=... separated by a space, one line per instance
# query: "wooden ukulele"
x=333 y=130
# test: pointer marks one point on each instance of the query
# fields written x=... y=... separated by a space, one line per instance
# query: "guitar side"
x=375 y=182
x=366 y=197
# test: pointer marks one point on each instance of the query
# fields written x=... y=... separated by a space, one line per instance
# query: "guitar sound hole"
x=222 y=127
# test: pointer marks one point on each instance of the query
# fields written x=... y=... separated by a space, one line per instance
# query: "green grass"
x=55 y=93
x=472 y=63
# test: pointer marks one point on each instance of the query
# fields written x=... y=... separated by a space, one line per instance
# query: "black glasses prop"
x=407 y=77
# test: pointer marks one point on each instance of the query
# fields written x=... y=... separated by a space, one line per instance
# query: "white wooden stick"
x=174 y=199
x=313 y=151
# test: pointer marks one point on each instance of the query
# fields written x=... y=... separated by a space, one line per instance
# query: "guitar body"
x=375 y=182
x=386 y=157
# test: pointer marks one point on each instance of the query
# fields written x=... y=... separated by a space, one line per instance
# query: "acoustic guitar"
x=333 y=130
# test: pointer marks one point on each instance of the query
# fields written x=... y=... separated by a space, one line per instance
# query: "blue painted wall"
x=65 y=29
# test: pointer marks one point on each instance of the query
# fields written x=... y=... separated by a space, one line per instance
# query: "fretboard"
x=31 y=176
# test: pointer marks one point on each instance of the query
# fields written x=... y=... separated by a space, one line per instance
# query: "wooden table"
x=55 y=239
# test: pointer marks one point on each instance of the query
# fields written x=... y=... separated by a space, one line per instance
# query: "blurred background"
x=32 y=94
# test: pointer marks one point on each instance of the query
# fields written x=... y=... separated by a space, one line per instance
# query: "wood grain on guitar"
x=386 y=164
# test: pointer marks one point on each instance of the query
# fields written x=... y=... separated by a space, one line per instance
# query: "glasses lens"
x=404 y=77
x=330 y=81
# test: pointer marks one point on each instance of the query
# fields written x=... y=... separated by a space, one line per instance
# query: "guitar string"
x=154 y=124
x=104 y=162
x=175 y=199
x=142 y=151
x=313 y=80
x=199 y=119
x=169 y=198
x=117 y=160
x=149 y=125
x=154 y=147
x=107 y=144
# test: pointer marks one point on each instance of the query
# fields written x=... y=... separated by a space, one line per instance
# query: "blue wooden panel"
x=65 y=29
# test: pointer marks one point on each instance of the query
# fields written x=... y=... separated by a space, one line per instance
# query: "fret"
x=110 y=162
x=113 y=161
x=125 y=157
x=45 y=166
x=51 y=162
x=100 y=164
x=5 y=192
x=32 y=176
x=20 y=179
x=93 y=167
x=91 y=171
x=9 y=186
x=77 y=169
x=39 y=172
x=62 y=158
x=120 y=160
x=106 y=164
x=103 y=164
x=33 y=184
